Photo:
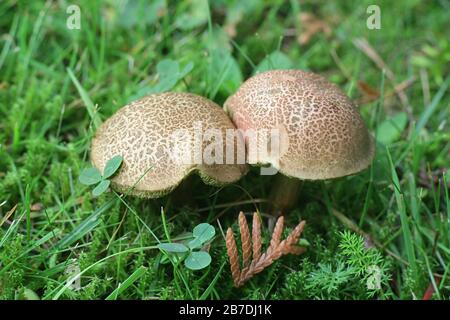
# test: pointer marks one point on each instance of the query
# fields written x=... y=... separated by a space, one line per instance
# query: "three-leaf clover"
x=91 y=176
x=193 y=259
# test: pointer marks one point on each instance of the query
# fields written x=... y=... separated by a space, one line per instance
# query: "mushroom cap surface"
x=322 y=134
x=144 y=133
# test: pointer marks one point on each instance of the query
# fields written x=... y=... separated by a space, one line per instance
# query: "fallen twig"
x=253 y=243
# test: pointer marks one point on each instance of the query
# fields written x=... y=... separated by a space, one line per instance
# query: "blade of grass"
x=95 y=118
x=407 y=237
x=128 y=282
x=84 y=227
x=447 y=205
x=208 y=290
x=414 y=207
x=9 y=41
x=430 y=274
x=28 y=210
x=428 y=112
x=377 y=121
x=61 y=288
x=241 y=51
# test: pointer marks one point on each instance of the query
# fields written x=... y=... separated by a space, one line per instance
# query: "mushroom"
x=321 y=133
x=146 y=133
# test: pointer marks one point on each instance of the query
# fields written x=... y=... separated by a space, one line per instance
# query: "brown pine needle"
x=256 y=237
x=277 y=233
x=233 y=255
x=293 y=238
x=276 y=249
x=245 y=240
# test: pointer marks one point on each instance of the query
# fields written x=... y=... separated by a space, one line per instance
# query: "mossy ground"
x=56 y=83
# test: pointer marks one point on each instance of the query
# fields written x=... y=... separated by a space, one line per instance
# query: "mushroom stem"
x=283 y=194
x=182 y=195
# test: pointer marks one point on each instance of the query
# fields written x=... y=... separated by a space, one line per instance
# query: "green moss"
x=45 y=133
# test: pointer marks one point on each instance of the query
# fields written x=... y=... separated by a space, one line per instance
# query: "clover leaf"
x=195 y=259
x=92 y=175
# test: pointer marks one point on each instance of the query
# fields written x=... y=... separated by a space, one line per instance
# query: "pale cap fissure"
x=322 y=133
x=142 y=133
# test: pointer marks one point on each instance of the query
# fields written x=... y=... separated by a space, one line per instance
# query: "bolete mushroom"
x=146 y=133
x=321 y=133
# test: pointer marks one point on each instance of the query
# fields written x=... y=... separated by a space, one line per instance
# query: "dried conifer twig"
x=245 y=240
x=293 y=238
x=233 y=256
x=256 y=237
x=260 y=261
x=277 y=233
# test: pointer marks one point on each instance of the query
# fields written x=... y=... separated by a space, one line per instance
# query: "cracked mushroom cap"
x=148 y=132
x=321 y=132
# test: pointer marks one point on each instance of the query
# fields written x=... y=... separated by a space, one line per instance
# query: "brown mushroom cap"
x=322 y=133
x=142 y=133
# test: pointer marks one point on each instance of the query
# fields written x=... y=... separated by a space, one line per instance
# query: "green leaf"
x=168 y=71
x=303 y=243
x=140 y=12
x=169 y=74
x=204 y=232
x=168 y=68
x=174 y=257
x=112 y=166
x=197 y=260
x=187 y=68
x=101 y=187
x=224 y=71
x=421 y=61
x=275 y=60
x=391 y=129
x=195 y=243
x=173 y=247
x=193 y=14
x=90 y=176
x=28 y=294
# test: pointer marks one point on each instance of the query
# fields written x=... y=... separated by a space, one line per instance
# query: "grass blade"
x=407 y=236
x=428 y=112
x=95 y=118
x=128 y=282
x=84 y=227
x=208 y=290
